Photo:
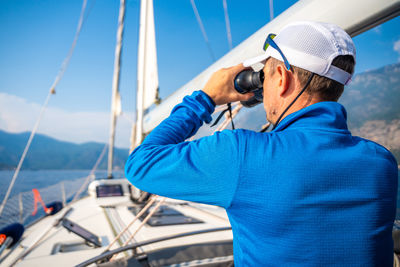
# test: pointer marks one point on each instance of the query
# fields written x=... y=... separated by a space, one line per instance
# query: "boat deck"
x=105 y=218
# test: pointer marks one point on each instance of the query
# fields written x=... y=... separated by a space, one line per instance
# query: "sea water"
x=28 y=179
x=52 y=185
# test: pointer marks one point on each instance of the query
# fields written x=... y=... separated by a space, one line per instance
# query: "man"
x=308 y=193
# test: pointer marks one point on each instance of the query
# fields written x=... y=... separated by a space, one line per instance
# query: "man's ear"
x=284 y=79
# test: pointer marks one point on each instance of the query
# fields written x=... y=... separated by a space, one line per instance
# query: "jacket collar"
x=329 y=116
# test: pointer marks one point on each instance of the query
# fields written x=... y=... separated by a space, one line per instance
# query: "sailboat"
x=117 y=224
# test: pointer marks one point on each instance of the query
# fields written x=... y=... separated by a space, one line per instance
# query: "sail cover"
x=147 y=57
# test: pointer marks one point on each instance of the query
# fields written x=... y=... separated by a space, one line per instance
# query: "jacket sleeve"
x=205 y=170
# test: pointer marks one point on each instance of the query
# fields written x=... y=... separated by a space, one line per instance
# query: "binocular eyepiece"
x=249 y=81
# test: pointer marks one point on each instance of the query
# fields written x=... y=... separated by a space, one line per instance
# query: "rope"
x=52 y=91
x=265 y=127
x=228 y=119
x=91 y=175
x=226 y=108
x=141 y=224
x=196 y=12
x=228 y=24
x=141 y=212
x=220 y=108
x=145 y=220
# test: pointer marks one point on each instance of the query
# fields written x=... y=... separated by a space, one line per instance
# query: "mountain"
x=372 y=104
x=373 y=95
x=371 y=101
x=48 y=153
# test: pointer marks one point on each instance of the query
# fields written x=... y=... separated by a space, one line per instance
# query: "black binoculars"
x=250 y=81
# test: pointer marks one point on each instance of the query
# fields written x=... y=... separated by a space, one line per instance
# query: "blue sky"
x=36 y=35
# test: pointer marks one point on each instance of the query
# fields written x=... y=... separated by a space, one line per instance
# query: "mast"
x=138 y=129
x=147 y=73
x=116 y=98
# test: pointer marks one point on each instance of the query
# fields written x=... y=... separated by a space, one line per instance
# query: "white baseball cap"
x=312 y=46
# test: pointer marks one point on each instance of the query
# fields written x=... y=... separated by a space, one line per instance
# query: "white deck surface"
x=88 y=214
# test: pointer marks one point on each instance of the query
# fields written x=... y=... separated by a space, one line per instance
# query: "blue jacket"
x=306 y=194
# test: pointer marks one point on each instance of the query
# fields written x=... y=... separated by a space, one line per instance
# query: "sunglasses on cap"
x=270 y=42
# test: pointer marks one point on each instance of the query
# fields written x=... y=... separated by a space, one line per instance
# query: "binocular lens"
x=250 y=81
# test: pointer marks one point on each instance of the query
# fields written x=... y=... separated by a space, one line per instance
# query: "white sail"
x=147 y=73
x=353 y=16
x=150 y=75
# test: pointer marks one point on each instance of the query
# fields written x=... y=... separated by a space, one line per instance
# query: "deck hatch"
x=165 y=216
x=82 y=232
x=109 y=190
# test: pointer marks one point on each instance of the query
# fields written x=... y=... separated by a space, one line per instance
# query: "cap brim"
x=254 y=60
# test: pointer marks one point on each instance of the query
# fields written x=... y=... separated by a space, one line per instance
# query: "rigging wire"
x=144 y=221
x=93 y=2
x=24 y=153
x=199 y=21
x=229 y=37
x=52 y=91
x=271 y=10
x=91 y=175
x=65 y=63
x=228 y=24
x=233 y=113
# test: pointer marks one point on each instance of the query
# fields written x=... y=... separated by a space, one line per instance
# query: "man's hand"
x=220 y=86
